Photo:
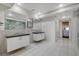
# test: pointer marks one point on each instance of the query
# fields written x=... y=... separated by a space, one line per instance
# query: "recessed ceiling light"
x=60 y=5
x=18 y=3
x=64 y=17
x=38 y=15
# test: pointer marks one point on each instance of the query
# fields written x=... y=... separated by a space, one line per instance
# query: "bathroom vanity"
x=38 y=36
x=17 y=41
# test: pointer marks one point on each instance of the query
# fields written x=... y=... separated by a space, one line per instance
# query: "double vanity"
x=23 y=40
x=19 y=31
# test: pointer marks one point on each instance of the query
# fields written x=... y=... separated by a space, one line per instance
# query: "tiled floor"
x=46 y=48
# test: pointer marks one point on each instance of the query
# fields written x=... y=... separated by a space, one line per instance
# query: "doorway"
x=65 y=29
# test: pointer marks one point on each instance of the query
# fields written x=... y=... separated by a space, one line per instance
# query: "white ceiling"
x=5 y=6
x=41 y=7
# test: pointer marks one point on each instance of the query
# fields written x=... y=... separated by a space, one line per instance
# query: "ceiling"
x=39 y=10
x=41 y=7
x=5 y=6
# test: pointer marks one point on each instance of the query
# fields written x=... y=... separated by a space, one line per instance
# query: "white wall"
x=73 y=30
x=2 y=17
x=18 y=10
x=52 y=29
x=2 y=34
x=77 y=29
x=48 y=27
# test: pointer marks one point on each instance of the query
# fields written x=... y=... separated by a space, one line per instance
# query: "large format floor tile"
x=47 y=48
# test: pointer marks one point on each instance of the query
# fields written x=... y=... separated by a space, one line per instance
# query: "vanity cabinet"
x=14 y=43
x=38 y=36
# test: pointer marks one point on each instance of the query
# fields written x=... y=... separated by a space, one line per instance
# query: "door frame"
x=60 y=27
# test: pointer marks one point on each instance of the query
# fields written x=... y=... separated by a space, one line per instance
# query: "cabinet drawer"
x=24 y=40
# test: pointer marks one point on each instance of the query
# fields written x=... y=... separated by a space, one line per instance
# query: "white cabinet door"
x=25 y=40
x=17 y=42
x=12 y=44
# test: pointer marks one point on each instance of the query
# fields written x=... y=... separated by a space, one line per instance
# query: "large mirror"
x=11 y=24
x=14 y=23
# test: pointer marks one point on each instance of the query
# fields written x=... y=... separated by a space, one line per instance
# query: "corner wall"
x=2 y=34
x=48 y=27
